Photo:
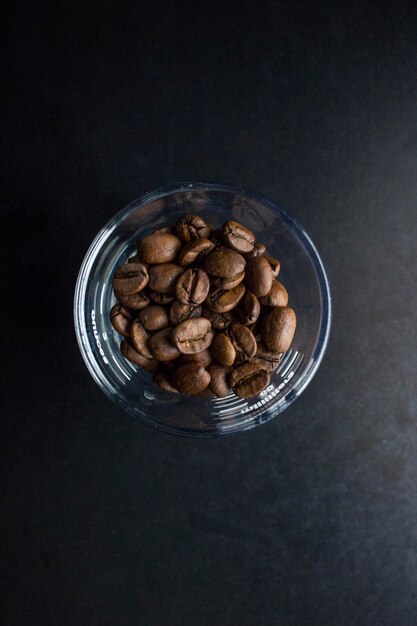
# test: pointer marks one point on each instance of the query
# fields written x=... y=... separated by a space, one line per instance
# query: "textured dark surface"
x=312 y=518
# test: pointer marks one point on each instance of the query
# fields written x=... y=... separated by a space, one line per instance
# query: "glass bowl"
x=302 y=273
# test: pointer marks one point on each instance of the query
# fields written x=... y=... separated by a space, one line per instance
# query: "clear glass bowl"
x=302 y=273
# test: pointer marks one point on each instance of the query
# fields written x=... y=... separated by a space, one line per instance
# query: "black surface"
x=310 y=519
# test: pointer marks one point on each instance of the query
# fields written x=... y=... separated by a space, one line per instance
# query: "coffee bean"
x=194 y=251
x=204 y=358
x=160 y=298
x=180 y=312
x=159 y=248
x=162 y=277
x=190 y=378
x=224 y=263
x=223 y=350
x=139 y=338
x=219 y=384
x=249 y=379
x=249 y=309
x=270 y=360
x=243 y=341
x=258 y=275
x=154 y=317
x=274 y=264
x=219 y=321
x=192 y=227
x=277 y=295
x=161 y=346
x=135 y=301
x=258 y=249
x=130 y=278
x=192 y=335
x=133 y=356
x=163 y=379
x=121 y=319
x=192 y=287
x=222 y=301
x=238 y=237
x=228 y=283
x=278 y=328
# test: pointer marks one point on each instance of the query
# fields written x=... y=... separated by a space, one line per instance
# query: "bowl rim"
x=105 y=231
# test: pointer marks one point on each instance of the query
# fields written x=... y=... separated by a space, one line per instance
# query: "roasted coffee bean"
x=228 y=283
x=249 y=379
x=278 y=328
x=194 y=251
x=121 y=319
x=219 y=384
x=135 y=301
x=133 y=356
x=192 y=336
x=130 y=278
x=222 y=301
x=270 y=360
x=159 y=248
x=204 y=358
x=180 y=312
x=162 y=277
x=243 y=341
x=277 y=295
x=190 y=378
x=238 y=237
x=139 y=338
x=162 y=378
x=192 y=286
x=219 y=321
x=160 y=298
x=274 y=264
x=224 y=263
x=249 y=309
x=258 y=275
x=258 y=249
x=161 y=346
x=192 y=227
x=223 y=350
x=154 y=317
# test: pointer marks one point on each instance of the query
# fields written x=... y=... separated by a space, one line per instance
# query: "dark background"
x=312 y=518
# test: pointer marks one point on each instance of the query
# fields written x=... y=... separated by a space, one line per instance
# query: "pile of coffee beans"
x=201 y=309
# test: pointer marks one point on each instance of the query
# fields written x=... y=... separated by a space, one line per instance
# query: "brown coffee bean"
x=228 y=283
x=160 y=298
x=162 y=378
x=270 y=360
x=162 y=277
x=277 y=295
x=222 y=301
x=224 y=263
x=219 y=321
x=258 y=276
x=243 y=341
x=238 y=237
x=278 y=328
x=135 y=301
x=159 y=248
x=154 y=317
x=121 y=319
x=192 y=286
x=249 y=379
x=258 y=249
x=139 y=338
x=223 y=350
x=204 y=358
x=249 y=309
x=192 y=227
x=133 y=356
x=130 y=278
x=192 y=336
x=180 y=312
x=219 y=384
x=161 y=346
x=275 y=265
x=194 y=251
x=190 y=378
